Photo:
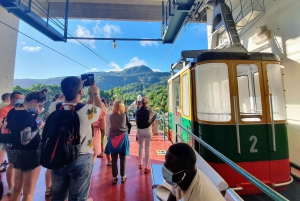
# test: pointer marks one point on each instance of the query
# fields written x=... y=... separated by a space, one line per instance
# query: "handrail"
x=266 y=189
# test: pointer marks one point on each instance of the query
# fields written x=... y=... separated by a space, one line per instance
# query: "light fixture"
x=281 y=66
x=114 y=44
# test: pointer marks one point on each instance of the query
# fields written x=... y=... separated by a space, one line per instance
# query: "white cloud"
x=156 y=70
x=31 y=49
x=84 y=32
x=135 y=62
x=23 y=43
x=107 y=30
x=150 y=43
x=116 y=66
x=91 y=70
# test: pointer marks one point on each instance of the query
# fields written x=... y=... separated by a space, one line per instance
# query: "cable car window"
x=212 y=92
x=185 y=95
x=177 y=96
x=249 y=92
x=276 y=89
x=170 y=96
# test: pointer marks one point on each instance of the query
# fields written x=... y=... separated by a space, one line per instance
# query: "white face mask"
x=168 y=176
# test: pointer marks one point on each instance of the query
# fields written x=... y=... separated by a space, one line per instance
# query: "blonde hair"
x=118 y=107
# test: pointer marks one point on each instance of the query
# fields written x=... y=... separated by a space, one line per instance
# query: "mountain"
x=109 y=80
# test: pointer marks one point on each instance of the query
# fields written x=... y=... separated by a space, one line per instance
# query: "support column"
x=8 y=45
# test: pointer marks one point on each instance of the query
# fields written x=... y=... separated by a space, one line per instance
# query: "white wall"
x=281 y=18
x=8 y=44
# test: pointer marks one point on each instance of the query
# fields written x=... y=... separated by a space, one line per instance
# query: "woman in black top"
x=25 y=140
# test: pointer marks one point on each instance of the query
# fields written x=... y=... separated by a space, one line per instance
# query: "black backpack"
x=61 y=137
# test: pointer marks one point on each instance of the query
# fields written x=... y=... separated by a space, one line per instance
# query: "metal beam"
x=125 y=39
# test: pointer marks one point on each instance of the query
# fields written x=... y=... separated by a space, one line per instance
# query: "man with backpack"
x=71 y=174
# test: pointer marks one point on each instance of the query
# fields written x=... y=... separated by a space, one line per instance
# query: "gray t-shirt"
x=117 y=124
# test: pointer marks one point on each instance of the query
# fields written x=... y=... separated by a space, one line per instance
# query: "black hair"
x=56 y=97
x=5 y=96
x=70 y=86
x=12 y=95
x=185 y=154
x=39 y=96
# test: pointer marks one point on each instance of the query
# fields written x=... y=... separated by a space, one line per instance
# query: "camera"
x=89 y=79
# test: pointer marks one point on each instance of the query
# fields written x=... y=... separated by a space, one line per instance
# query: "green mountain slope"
x=108 y=80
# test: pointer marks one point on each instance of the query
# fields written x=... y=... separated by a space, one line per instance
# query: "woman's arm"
x=27 y=135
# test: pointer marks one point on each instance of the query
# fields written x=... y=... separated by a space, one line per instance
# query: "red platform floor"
x=137 y=187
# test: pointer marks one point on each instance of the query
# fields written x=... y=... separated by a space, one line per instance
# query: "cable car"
x=234 y=101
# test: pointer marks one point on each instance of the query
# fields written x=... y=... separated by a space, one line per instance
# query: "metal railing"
x=163 y=124
x=264 y=188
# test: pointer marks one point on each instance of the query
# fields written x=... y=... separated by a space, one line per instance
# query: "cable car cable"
x=44 y=45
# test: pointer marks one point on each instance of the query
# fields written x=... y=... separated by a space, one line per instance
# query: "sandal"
x=114 y=180
x=108 y=164
x=123 y=179
x=147 y=170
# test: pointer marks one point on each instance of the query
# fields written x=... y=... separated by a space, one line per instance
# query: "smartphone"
x=89 y=79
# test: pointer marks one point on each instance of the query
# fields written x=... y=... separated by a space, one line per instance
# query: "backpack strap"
x=58 y=106
x=79 y=106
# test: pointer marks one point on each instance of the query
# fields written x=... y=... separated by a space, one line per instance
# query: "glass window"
x=212 y=92
x=276 y=89
x=170 y=96
x=185 y=95
x=249 y=92
x=177 y=96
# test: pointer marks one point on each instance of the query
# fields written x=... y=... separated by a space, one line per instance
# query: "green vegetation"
x=157 y=93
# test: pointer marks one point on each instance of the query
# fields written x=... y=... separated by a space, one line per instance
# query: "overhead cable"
x=44 y=45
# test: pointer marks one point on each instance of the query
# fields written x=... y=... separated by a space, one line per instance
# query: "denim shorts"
x=25 y=160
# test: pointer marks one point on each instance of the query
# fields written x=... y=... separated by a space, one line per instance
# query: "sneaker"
x=114 y=180
x=123 y=179
x=48 y=193
x=9 y=191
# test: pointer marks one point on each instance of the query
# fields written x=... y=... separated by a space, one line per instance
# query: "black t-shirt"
x=17 y=121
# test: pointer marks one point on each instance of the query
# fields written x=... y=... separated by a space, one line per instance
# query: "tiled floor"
x=136 y=188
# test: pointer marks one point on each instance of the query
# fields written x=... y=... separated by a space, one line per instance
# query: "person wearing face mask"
x=188 y=183
x=15 y=98
x=25 y=137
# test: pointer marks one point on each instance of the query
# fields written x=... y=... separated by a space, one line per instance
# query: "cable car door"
x=251 y=125
x=177 y=108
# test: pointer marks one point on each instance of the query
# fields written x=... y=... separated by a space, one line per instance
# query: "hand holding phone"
x=89 y=79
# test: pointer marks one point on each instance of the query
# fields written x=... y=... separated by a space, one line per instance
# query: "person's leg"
x=16 y=194
x=102 y=142
x=10 y=172
x=141 y=143
x=97 y=142
x=29 y=179
x=2 y=153
x=10 y=176
x=114 y=164
x=147 y=147
x=60 y=184
x=48 y=182
x=122 y=164
x=80 y=177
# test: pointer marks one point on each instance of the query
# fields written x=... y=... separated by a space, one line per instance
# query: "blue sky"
x=34 y=60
